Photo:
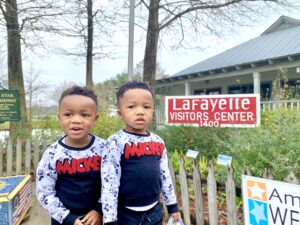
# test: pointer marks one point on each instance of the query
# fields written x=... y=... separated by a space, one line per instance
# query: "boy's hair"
x=77 y=90
x=132 y=85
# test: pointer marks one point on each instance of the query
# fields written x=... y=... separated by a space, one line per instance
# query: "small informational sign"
x=224 y=160
x=192 y=153
x=268 y=202
x=213 y=110
x=9 y=105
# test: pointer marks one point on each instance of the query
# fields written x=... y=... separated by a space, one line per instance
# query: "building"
x=250 y=67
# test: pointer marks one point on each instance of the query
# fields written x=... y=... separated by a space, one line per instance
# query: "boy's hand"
x=78 y=222
x=91 y=218
x=176 y=216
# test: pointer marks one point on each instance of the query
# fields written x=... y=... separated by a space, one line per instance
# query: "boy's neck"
x=146 y=132
x=77 y=143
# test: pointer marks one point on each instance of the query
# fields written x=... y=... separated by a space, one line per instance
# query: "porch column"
x=187 y=86
x=256 y=82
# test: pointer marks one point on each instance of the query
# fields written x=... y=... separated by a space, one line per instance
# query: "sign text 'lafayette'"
x=217 y=110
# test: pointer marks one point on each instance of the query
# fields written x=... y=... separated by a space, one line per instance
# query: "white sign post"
x=268 y=202
x=224 y=160
x=192 y=153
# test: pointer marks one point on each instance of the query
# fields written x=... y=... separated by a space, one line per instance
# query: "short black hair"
x=78 y=90
x=132 y=85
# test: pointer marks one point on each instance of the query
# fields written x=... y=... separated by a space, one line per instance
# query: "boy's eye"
x=85 y=115
x=130 y=106
x=67 y=114
x=147 y=107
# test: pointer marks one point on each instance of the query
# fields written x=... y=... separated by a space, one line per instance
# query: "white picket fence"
x=20 y=158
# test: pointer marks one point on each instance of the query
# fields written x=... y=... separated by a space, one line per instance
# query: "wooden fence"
x=195 y=183
x=23 y=158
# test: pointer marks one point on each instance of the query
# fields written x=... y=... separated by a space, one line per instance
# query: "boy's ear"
x=97 y=117
x=58 y=116
x=119 y=113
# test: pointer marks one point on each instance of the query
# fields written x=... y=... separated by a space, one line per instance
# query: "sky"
x=59 y=69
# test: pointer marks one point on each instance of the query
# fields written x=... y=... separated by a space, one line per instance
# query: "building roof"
x=280 y=40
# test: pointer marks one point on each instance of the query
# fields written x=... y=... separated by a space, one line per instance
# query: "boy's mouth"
x=75 y=128
x=140 y=121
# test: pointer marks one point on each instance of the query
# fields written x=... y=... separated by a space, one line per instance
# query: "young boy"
x=68 y=175
x=134 y=169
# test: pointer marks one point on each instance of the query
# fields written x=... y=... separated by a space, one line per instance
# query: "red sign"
x=214 y=110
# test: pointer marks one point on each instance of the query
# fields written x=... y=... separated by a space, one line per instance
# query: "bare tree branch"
x=199 y=7
x=2 y=9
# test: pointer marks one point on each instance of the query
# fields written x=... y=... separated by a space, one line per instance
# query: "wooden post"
x=28 y=157
x=267 y=174
x=36 y=156
x=18 y=157
x=184 y=193
x=291 y=178
x=165 y=210
x=44 y=146
x=1 y=160
x=198 y=194
x=9 y=154
x=230 y=198
x=212 y=195
x=172 y=173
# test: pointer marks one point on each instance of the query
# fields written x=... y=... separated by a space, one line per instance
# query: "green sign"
x=9 y=105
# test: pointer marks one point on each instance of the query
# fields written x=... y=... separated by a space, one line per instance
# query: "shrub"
x=107 y=125
x=273 y=145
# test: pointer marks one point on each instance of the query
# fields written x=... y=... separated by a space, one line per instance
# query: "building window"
x=241 y=89
x=265 y=90
x=208 y=91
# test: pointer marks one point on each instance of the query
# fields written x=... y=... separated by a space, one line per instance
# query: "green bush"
x=204 y=140
x=50 y=122
x=107 y=125
x=273 y=145
x=46 y=130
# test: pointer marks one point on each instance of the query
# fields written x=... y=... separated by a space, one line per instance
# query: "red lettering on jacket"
x=78 y=165
x=143 y=148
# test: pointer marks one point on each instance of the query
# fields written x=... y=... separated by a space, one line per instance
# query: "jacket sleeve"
x=46 y=176
x=168 y=191
x=110 y=176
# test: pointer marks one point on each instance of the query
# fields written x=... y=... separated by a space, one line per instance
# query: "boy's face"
x=77 y=116
x=136 y=108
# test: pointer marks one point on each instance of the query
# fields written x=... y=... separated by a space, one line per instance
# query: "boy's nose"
x=140 y=111
x=76 y=119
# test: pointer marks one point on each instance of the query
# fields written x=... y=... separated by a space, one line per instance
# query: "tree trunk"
x=19 y=129
x=151 y=50
x=89 y=55
x=151 y=45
